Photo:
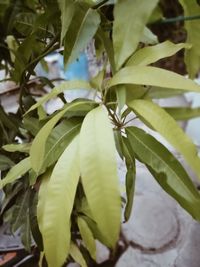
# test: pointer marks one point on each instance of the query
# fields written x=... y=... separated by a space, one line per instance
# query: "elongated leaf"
x=179 y=113
x=151 y=54
x=37 y=151
x=99 y=173
x=17 y=147
x=87 y=237
x=163 y=123
x=59 y=201
x=5 y=163
x=59 y=139
x=130 y=178
x=130 y=18
x=121 y=98
x=67 y=8
x=166 y=169
x=42 y=198
x=16 y=172
x=76 y=255
x=20 y=210
x=192 y=56
x=153 y=76
x=80 y=32
x=68 y=85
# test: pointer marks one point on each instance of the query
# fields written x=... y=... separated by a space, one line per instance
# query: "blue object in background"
x=78 y=70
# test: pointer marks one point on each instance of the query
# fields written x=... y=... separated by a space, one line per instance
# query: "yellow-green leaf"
x=153 y=76
x=16 y=172
x=163 y=123
x=87 y=237
x=25 y=147
x=59 y=201
x=99 y=173
x=76 y=255
x=192 y=56
x=130 y=18
x=68 y=85
x=151 y=54
x=42 y=198
x=179 y=113
x=37 y=151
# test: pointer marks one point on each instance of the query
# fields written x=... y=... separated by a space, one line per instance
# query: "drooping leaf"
x=67 y=8
x=130 y=18
x=5 y=163
x=20 y=211
x=130 y=178
x=36 y=234
x=151 y=54
x=76 y=255
x=45 y=177
x=87 y=237
x=80 y=32
x=59 y=201
x=119 y=143
x=68 y=85
x=147 y=75
x=37 y=151
x=192 y=56
x=166 y=169
x=16 y=172
x=163 y=123
x=179 y=113
x=99 y=173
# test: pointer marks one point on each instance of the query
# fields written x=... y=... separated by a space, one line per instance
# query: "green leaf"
x=179 y=113
x=121 y=98
x=163 y=123
x=130 y=178
x=67 y=8
x=68 y=85
x=34 y=220
x=76 y=255
x=118 y=142
x=20 y=210
x=99 y=173
x=148 y=37
x=25 y=147
x=59 y=201
x=130 y=18
x=87 y=237
x=166 y=169
x=80 y=32
x=108 y=45
x=151 y=54
x=5 y=163
x=37 y=151
x=16 y=172
x=59 y=139
x=153 y=76
x=192 y=56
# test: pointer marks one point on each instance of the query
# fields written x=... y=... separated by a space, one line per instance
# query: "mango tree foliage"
x=65 y=163
x=192 y=56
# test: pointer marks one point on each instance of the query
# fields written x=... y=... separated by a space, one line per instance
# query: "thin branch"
x=177 y=19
